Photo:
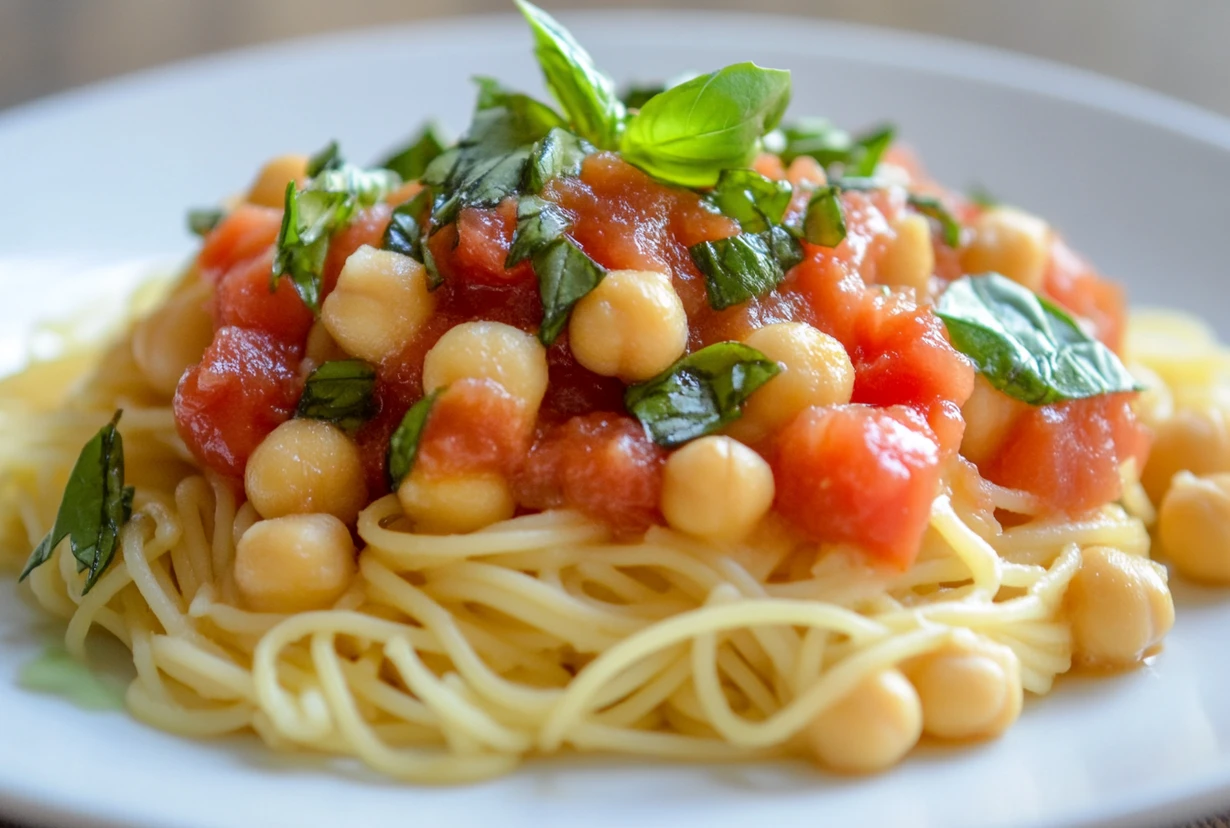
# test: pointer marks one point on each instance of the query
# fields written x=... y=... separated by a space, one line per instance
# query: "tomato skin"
x=474 y=425
x=243 y=300
x=248 y=231
x=859 y=474
x=246 y=384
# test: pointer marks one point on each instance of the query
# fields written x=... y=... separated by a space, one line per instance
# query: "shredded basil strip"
x=328 y=158
x=95 y=506
x=539 y=223
x=1026 y=346
x=825 y=222
x=434 y=277
x=870 y=149
x=819 y=139
x=558 y=154
x=410 y=162
x=565 y=274
x=203 y=220
x=932 y=207
x=747 y=265
x=405 y=233
x=700 y=393
x=404 y=444
x=751 y=199
x=340 y=392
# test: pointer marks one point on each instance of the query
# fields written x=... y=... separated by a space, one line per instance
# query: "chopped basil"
x=817 y=138
x=558 y=154
x=339 y=392
x=404 y=444
x=691 y=132
x=328 y=158
x=411 y=161
x=1026 y=346
x=586 y=94
x=825 y=223
x=635 y=96
x=434 y=277
x=95 y=506
x=932 y=207
x=539 y=223
x=700 y=393
x=870 y=149
x=754 y=201
x=405 y=232
x=203 y=220
x=565 y=274
x=749 y=264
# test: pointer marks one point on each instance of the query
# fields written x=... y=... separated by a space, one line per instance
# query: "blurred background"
x=1175 y=46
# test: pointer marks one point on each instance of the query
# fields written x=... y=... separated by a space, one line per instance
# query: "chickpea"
x=870 y=729
x=380 y=302
x=489 y=350
x=989 y=416
x=452 y=505
x=716 y=488
x=1118 y=605
x=1010 y=242
x=631 y=326
x=1194 y=526
x=320 y=346
x=1192 y=440
x=173 y=338
x=295 y=563
x=909 y=260
x=970 y=689
x=306 y=466
x=269 y=189
x=816 y=370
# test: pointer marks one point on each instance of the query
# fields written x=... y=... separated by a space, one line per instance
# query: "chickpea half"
x=631 y=326
x=306 y=466
x=970 y=689
x=380 y=302
x=1194 y=526
x=1118 y=606
x=872 y=728
x=716 y=488
x=295 y=563
x=1011 y=242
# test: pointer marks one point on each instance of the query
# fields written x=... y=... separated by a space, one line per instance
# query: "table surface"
x=1175 y=47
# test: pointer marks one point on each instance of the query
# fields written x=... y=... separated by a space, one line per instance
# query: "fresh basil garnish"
x=586 y=94
x=203 y=220
x=817 y=138
x=1026 y=346
x=700 y=393
x=539 y=224
x=339 y=392
x=932 y=207
x=751 y=199
x=410 y=162
x=558 y=154
x=565 y=274
x=404 y=444
x=825 y=222
x=434 y=277
x=95 y=506
x=691 y=132
x=869 y=150
x=405 y=232
x=747 y=265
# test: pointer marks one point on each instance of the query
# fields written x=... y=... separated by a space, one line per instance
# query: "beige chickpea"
x=489 y=350
x=872 y=728
x=970 y=689
x=269 y=188
x=1192 y=440
x=631 y=326
x=816 y=370
x=306 y=466
x=1194 y=526
x=380 y=302
x=173 y=337
x=320 y=346
x=1010 y=242
x=716 y=488
x=1118 y=606
x=295 y=563
x=989 y=417
x=909 y=260
x=450 y=505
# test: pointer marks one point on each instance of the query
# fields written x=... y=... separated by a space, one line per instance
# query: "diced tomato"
x=248 y=231
x=861 y=475
x=835 y=292
x=244 y=300
x=600 y=464
x=245 y=385
x=1071 y=282
x=1069 y=453
x=367 y=227
x=475 y=425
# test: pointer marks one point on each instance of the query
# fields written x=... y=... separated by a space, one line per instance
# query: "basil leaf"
x=869 y=149
x=825 y=223
x=434 y=277
x=635 y=96
x=932 y=207
x=95 y=506
x=749 y=264
x=328 y=158
x=404 y=444
x=586 y=94
x=405 y=234
x=341 y=393
x=309 y=218
x=558 y=154
x=565 y=274
x=700 y=393
x=202 y=221
x=751 y=199
x=1026 y=346
x=690 y=133
x=411 y=161
x=539 y=223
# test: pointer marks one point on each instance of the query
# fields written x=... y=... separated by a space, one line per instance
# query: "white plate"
x=103 y=176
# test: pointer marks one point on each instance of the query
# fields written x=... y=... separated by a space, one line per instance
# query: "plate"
x=97 y=183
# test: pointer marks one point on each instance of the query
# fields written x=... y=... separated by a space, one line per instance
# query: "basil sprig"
x=410 y=162
x=700 y=393
x=339 y=392
x=96 y=505
x=747 y=265
x=1026 y=346
x=404 y=444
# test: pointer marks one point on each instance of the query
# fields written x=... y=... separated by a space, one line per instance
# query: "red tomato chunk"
x=475 y=425
x=244 y=300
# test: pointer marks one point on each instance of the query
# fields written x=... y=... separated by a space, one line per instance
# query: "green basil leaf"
x=565 y=274
x=95 y=506
x=405 y=232
x=341 y=393
x=539 y=224
x=747 y=265
x=404 y=444
x=411 y=161
x=869 y=150
x=700 y=393
x=309 y=218
x=328 y=158
x=586 y=94
x=690 y=133
x=933 y=208
x=558 y=154
x=751 y=199
x=825 y=223
x=635 y=96
x=486 y=185
x=1026 y=346
x=434 y=277
x=202 y=221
